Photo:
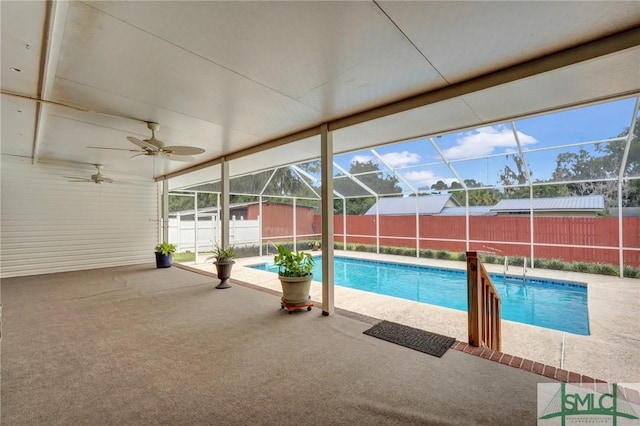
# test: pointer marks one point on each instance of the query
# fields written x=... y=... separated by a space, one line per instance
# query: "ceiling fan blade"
x=182 y=150
x=115 y=149
x=174 y=157
x=142 y=144
x=77 y=179
x=107 y=180
x=142 y=155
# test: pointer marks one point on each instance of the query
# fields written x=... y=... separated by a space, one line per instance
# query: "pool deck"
x=610 y=353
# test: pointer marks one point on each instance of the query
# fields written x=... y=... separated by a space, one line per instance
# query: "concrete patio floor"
x=610 y=353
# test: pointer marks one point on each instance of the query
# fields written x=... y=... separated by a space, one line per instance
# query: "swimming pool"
x=559 y=305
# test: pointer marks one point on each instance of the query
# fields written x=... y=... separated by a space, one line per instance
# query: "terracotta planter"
x=295 y=290
x=224 y=272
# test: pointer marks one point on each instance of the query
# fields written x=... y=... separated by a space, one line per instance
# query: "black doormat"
x=420 y=340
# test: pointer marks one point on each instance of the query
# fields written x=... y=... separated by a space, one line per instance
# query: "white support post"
x=620 y=233
x=195 y=223
x=377 y=225
x=417 y=225
x=344 y=224
x=224 y=213
x=326 y=162
x=218 y=235
x=466 y=219
x=165 y=210
x=259 y=218
x=531 y=224
x=295 y=224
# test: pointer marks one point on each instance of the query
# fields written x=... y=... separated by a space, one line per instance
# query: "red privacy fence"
x=559 y=237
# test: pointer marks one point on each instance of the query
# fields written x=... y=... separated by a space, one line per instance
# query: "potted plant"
x=164 y=254
x=314 y=245
x=224 y=262
x=294 y=272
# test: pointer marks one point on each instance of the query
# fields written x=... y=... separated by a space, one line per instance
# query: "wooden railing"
x=484 y=305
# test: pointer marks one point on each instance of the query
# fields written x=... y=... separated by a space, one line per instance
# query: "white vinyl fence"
x=182 y=233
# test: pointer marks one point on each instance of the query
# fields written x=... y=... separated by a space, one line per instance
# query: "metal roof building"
x=590 y=205
x=430 y=204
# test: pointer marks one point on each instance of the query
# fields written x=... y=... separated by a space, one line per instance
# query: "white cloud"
x=361 y=158
x=487 y=140
x=401 y=159
x=426 y=178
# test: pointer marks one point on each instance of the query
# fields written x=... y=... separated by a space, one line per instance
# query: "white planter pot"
x=295 y=290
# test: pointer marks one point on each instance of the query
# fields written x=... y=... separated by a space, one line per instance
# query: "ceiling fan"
x=155 y=148
x=97 y=178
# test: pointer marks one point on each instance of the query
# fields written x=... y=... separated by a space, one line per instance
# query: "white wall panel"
x=49 y=224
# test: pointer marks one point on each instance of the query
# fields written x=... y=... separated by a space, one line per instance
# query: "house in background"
x=590 y=205
x=448 y=205
x=426 y=205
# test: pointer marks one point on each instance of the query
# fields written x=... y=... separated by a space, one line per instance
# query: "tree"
x=439 y=186
x=510 y=177
x=484 y=197
x=587 y=171
x=371 y=176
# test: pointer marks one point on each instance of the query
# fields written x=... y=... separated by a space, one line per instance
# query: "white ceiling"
x=228 y=76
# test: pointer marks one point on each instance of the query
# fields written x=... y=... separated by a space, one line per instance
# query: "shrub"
x=556 y=264
x=488 y=258
x=397 y=251
x=442 y=254
x=580 y=267
x=631 y=272
x=516 y=261
x=429 y=254
x=541 y=263
x=408 y=252
x=462 y=257
x=604 y=269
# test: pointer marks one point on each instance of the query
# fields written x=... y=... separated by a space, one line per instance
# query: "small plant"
x=290 y=264
x=222 y=254
x=462 y=257
x=165 y=248
x=314 y=245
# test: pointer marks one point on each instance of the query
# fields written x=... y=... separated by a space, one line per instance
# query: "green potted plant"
x=294 y=272
x=224 y=262
x=164 y=254
x=314 y=245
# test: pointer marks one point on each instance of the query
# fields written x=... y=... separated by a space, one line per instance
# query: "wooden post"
x=474 y=299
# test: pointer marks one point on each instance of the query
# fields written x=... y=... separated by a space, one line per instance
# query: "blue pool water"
x=545 y=303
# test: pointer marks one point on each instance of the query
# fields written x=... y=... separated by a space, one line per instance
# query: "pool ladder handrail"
x=273 y=244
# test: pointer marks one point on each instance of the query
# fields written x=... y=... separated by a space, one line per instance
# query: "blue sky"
x=419 y=163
